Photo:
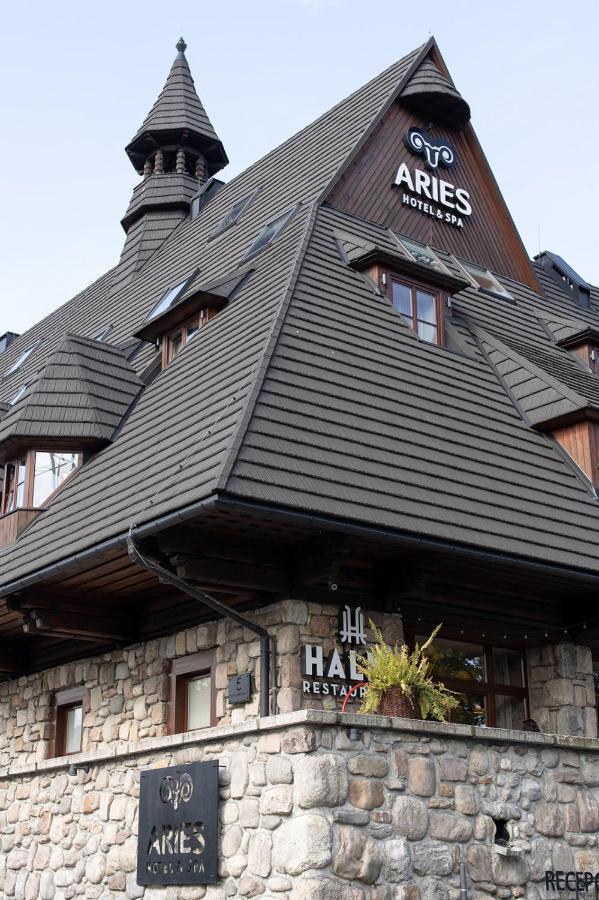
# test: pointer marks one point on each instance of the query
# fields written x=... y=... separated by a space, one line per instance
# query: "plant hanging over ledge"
x=399 y=681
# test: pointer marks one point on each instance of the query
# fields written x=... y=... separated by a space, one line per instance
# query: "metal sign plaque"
x=240 y=688
x=178 y=825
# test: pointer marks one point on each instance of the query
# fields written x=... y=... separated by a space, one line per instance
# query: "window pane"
x=73 y=729
x=425 y=307
x=174 y=345
x=510 y=711
x=167 y=300
x=51 y=469
x=191 y=330
x=198 y=702
x=508 y=667
x=456 y=659
x=402 y=299
x=427 y=332
x=471 y=710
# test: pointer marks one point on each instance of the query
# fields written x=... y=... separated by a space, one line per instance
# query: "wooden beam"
x=12 y=662
x=80 y=626
x=208 y=573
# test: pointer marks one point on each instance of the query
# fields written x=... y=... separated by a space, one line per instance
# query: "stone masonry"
x=561 y=689
x=310 y=811
x=127 y=690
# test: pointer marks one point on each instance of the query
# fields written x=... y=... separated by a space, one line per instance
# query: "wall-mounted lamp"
x=78 y=767
x=354 y=734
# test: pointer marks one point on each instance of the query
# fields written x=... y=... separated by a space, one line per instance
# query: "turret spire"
x=178 y=121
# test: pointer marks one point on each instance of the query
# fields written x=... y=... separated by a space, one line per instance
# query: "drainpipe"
x=167 y=577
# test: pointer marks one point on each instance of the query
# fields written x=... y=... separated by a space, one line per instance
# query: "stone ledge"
x=302 y=717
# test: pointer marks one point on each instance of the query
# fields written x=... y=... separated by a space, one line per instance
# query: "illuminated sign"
x=427 y=192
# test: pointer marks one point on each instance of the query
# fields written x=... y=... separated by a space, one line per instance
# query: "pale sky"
x=76 y=81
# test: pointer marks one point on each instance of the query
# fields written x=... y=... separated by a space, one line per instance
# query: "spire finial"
x=181 y=45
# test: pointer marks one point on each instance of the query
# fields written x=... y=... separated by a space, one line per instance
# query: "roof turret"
x=177 y=134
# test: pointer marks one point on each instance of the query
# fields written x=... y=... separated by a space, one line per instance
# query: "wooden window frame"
x=183 y=670
x=385 y=285
x=29 y=456
x=490 y=688
x=200 y=319
x=64 y=701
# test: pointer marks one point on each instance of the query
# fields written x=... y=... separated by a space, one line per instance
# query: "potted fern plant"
x=400 y=682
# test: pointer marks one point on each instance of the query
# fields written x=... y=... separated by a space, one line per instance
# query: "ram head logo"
x=435 y=152
x=176 y=790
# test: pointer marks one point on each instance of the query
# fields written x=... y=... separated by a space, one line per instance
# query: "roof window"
x=485 y=280
x=21 y=359
x=269 y=232
x=233 y=215
x=167 y=300
x=421 y=253
x=103 y=333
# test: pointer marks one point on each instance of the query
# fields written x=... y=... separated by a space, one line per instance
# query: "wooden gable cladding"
x=367 y=189
x=581 y=441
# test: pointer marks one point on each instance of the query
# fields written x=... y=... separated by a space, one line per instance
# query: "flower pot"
x=396 y=704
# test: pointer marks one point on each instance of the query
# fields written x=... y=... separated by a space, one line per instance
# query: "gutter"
x=318 y=521
x=266 y=646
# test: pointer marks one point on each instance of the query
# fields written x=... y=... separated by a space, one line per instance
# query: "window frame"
x=285 y=218
x=490 y=688
x=64 y=701
x=29 y=456
x=414 y=284
x=183 y=670
x=201 y=318
x=22 y=358
x=502 y=293
x=224 y=223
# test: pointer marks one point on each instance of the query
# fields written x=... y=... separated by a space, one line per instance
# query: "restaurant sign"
x=426 y=192
x=335 y=674
x=178 y=825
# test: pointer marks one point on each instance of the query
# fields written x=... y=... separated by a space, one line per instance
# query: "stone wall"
x=307 y=813
x=127 y=690
x=562 y=690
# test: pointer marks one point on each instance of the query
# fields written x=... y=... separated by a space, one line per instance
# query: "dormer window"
x=31 y=479
x=421 y=253
x=233 y=215
x=167 y=300
x=420 y=304
x=485 y=280
x=177 y=339
x=103 y=333
x=21 y=359
x=269 y=232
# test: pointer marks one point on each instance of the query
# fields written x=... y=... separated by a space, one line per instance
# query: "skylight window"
x=234 y=214
x=485 y=280
x=21 y=359
x=167 y=300
x=103 y=333
x=269 y=232
x=422 y=254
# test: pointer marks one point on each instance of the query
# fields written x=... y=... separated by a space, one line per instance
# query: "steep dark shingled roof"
x=228 y=356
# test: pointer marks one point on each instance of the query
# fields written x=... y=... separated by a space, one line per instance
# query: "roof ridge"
x=267 y=354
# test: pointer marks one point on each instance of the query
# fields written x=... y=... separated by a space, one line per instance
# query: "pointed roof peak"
x=178 y=117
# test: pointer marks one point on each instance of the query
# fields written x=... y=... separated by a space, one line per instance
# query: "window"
x=103 y=333
x=50 y=470
x=490 y=682
x=68 y=721
x=173 y=342
x=167 y=299
x=234 y=214
x=21 y=359
x=192 y=696
x=31 y=479
x=418 y=304
x=269 y=232
x=485 y=280
x=422 y=254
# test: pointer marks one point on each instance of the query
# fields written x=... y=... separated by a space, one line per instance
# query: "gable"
x=455 y=206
